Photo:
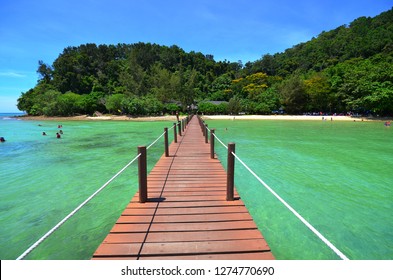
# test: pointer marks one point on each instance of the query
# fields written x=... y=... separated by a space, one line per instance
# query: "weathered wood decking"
x=187 y=215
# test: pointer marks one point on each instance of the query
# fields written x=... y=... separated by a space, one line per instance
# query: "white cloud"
x=12 y=75
x=8 y=104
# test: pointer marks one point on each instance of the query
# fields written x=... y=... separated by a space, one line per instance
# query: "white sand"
x=205 y=117
x=283 y=117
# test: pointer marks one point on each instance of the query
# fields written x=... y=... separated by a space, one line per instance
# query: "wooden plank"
x=184 y=236
x=180 y=227
x=200 y=247
x=237 y=256
x=184 y=210
x=232 y=256
x=219 y=217
x=182 y=248
x=135 y=204
x=186 y=215
x=185 y=198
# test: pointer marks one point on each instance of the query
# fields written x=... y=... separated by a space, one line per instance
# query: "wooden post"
x=142 y=171
x=212 y=131
x=230 y=172
x=206 y=134
x=174 y=133
x=166 y=142
x=179 y=127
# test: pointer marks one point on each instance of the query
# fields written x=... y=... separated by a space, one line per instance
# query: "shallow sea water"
x=44 y=178
x=337 y=175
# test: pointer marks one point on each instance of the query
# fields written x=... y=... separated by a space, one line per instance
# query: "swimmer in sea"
x=58 y=135
x=2 y=139
x=43 y=133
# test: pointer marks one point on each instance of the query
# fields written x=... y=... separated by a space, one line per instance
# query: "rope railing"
x=291 y=209
x=72 y=213
x=46 y=235
x=155 y=141
x=303 y=220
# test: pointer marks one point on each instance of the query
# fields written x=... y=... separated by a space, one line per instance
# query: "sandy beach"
x=286 y=117
x=100 y=118
x=205 y=117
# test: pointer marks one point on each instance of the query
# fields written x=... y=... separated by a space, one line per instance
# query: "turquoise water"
x=42 y=179
x=337 y=175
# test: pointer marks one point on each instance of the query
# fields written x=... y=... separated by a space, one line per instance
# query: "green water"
x=42 y=179
x=337 y=175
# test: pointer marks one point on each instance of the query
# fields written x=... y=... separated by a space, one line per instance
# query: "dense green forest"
x=348 y=69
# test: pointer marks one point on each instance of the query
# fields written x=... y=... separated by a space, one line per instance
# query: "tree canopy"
x=346 y=69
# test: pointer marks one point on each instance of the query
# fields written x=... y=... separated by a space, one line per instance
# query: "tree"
x=234 y=106
x=381 y=100
x=207 y=108
x=47 y=104
x=160 y=81
x=45 y=72
x=293 y=95
x=69 y=104
x=114 y=103
x=132 y=76
x=317 y=88
x=347 y=68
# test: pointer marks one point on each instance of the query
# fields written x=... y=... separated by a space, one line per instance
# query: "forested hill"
x=363 y=38
x=348 y=69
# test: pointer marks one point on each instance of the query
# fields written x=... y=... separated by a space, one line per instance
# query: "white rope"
x=155 y=141
x=32 y=247
x=172 y=127
x=215 y=136
x=304 y=221
x=46 y=235
x=314 y=230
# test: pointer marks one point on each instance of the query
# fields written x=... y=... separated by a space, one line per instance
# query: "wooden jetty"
x=186 y=215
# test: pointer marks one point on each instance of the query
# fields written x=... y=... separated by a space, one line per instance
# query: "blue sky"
x=228 y=29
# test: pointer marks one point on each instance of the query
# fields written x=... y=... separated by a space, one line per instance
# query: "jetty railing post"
x=179 y=127
x=174 y=133
x=206 y=134
x=230 y=172
x=142 y=171
x=166 y=142
x=212 y=131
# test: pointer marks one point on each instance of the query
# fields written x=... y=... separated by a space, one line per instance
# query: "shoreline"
x=287 y=118
x=98 y=118
x=205 y=117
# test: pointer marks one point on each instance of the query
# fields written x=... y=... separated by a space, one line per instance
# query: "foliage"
x=345 y=69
